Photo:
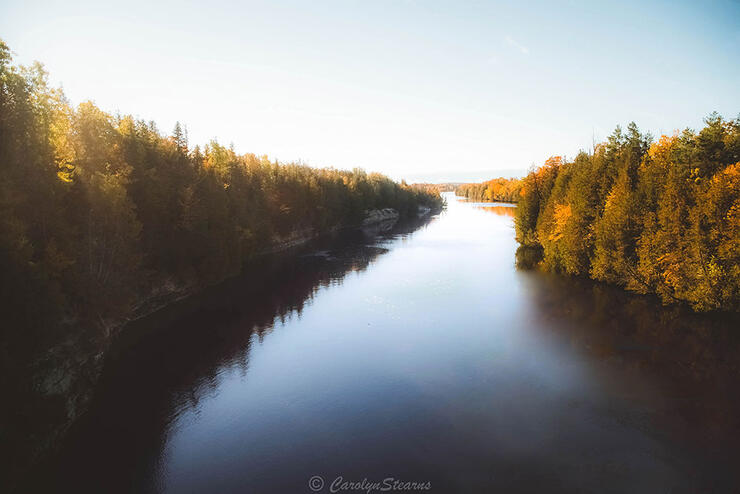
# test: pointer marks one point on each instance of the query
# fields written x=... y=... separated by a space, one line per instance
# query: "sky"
x=418 y=90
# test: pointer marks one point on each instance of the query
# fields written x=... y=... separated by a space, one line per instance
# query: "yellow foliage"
x=64 y=151
x=662 y=148
x=554 y=161
x=563 y=212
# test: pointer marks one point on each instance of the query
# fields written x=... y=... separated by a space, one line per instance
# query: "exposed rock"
x=63 y=380
x=423 y=211
x=373 y=216
x=293 y=239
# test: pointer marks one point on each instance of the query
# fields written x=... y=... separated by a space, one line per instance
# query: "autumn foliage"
x=498 y=189
x=97 y=210
x=654 y=217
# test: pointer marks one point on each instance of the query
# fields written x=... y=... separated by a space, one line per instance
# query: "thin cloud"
x=512 y=42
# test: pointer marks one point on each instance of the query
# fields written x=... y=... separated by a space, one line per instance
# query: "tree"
x=653 y=217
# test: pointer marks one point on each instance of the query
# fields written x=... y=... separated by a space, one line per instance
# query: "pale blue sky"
x=421 y=90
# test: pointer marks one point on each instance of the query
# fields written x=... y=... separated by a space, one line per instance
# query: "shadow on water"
x=527 y=257
x=701 y=351
x=664 y=377
x=441 y=363
x=665 y=370
x=501 y=210
x=168 y=362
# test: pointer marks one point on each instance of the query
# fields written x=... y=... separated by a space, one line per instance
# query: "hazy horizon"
x=422 y=91
x=261 y=315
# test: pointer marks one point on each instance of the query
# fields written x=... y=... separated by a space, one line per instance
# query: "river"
x=423 y=355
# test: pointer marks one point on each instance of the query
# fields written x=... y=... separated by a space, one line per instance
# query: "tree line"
x=96 y=209
x=498 y=189
x=660 y=217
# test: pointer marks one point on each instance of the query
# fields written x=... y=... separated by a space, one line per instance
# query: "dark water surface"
x=424 y=356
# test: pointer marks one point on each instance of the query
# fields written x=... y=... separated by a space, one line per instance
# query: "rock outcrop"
x=373 y=216
x=423 y=211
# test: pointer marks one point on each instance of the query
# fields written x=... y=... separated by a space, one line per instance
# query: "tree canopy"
x=498 y=189
x=97 y=209
x=658 y=217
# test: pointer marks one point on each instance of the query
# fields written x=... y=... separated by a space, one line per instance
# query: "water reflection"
x=500 y=208
x=420 y=356
x=505 y=210
x=698 y=352
x=665 y=371
x=173 y=360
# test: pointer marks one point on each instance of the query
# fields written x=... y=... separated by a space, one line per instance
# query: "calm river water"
x=421 y=355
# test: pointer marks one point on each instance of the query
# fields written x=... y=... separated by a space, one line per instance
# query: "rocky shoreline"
x=66 y=376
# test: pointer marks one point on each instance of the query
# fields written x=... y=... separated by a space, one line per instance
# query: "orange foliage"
x=663 y=147
x=562 y=214
x=554 y=162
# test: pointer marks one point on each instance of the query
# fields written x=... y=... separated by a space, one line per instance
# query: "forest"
x=659 y=217
x=98 y=210
x=498 y=189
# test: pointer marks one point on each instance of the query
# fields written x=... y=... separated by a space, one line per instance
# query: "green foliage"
x=96 y=210
x=654 y=217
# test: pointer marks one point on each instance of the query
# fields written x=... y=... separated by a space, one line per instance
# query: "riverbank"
x=64 y=379
x=657 y=217
x=497 y=190
x=432 y=351
x=486 y=201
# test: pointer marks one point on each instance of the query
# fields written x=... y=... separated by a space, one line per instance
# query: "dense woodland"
x=654 y=217
x=498 y=189
x=96 y=209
